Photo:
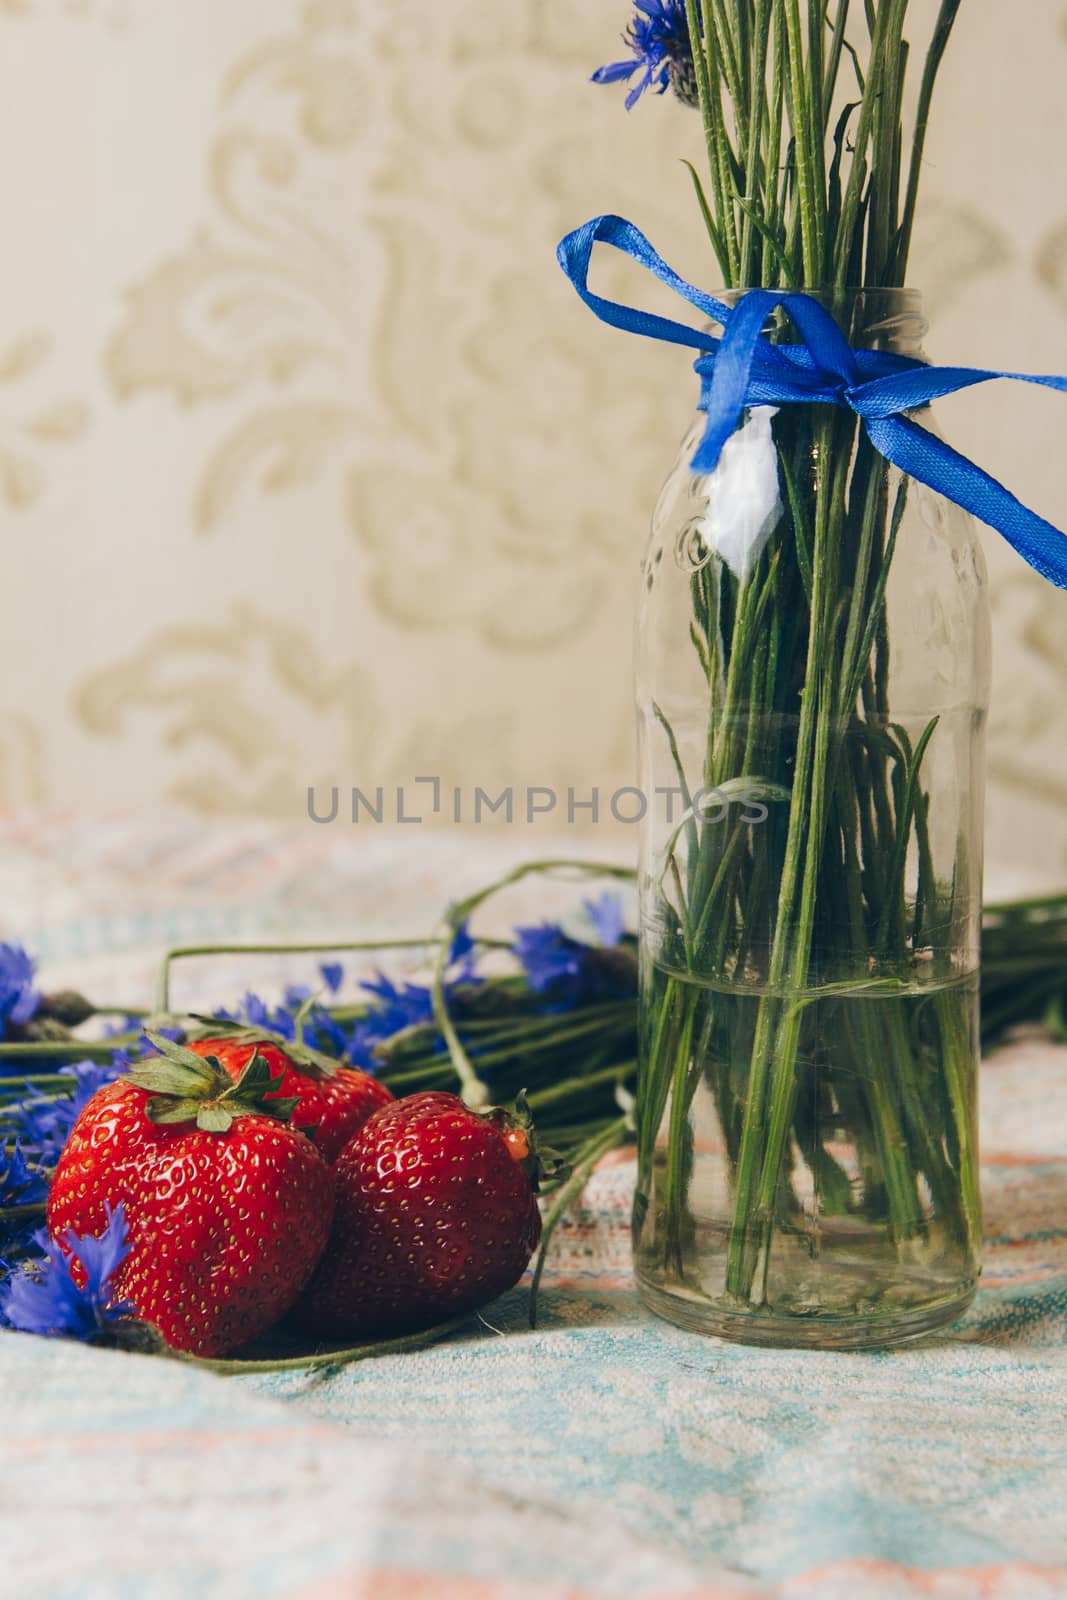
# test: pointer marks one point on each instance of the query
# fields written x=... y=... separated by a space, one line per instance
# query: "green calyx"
x=185 y=1087
x=313 y=1063
x=540 y=1163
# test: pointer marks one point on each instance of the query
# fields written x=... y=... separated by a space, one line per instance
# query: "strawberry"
x=331 y=1101
x=436 y=1214
x=228 y=1207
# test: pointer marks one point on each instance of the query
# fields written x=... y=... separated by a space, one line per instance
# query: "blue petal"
x=635 y=93
x=102 y=1257
x=333 y=974
x=546 y=955
x=46 y=1300
x=615 y=72
x=20 y=1183
x=19 y=1000
x=606 y=916
x=256 y=1011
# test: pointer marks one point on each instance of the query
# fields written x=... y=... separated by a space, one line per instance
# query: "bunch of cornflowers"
x=392 y=1028
x=557 y=1016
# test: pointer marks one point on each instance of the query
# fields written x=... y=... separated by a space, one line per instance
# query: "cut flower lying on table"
x=346 y=1110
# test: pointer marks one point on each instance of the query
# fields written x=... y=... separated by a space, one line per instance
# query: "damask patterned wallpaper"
x=313 y=470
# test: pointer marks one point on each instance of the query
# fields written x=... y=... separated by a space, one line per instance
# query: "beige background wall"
x=312 y=469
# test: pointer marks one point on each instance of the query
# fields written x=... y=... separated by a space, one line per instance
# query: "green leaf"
x=166 y=1077
x=698 y=645
x=709 y=223
x=256 y=1079
x=165 y=1110
x=800 y=540
x=256 y=1091
x=213 y=1117
x=834 y=179
x=281 y=1109
x=752 y=789
x=858 y=668
x=316 y=1063
x=181 y=1057
x=905 y=791
x=772 y=242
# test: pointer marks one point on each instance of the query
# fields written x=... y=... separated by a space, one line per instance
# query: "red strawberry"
x=331 y=1101
x=228 y=1208
x=435 y=1214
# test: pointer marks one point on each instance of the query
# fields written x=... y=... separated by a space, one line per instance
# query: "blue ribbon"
x=744 y=369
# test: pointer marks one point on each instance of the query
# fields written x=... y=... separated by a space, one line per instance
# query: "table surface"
x=604 y=1454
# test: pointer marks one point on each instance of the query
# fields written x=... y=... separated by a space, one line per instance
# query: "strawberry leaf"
x=164 y=1110
x=165 y=1077
x=213 y=1117
x=256 y=1079
x=185 y=1087
x=540 y=1163
x=256 y=1090
x=314 y=1063
x=281 y=1109
x=205 y=1068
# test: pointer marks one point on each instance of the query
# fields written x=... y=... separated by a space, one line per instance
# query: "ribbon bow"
x=744 y=369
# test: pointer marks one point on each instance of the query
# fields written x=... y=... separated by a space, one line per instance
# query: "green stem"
x=58 y=1050
x=946 y=18
x=557 y=1092
x=585 y=1161
x=315 y=947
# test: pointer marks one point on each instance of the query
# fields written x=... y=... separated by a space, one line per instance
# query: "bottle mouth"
x=879 y=319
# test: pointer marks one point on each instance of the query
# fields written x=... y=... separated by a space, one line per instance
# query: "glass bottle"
x=812 y=682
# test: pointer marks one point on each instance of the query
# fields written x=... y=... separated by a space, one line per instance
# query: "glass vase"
x=812 y=682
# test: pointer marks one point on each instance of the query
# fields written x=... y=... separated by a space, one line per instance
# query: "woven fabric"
x=606 y=1453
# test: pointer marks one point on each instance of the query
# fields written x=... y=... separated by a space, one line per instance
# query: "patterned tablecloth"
x=604 y=1454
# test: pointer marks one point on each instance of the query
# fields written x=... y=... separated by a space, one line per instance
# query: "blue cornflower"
x=19 y=999
x=319 y=1029
x=561 y=964
x=46 y=1124
x=20 y=1183
x=658 y=36
x=43 y=1297
x=399 y=1005
x=547 y=955
x=406 y=1005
